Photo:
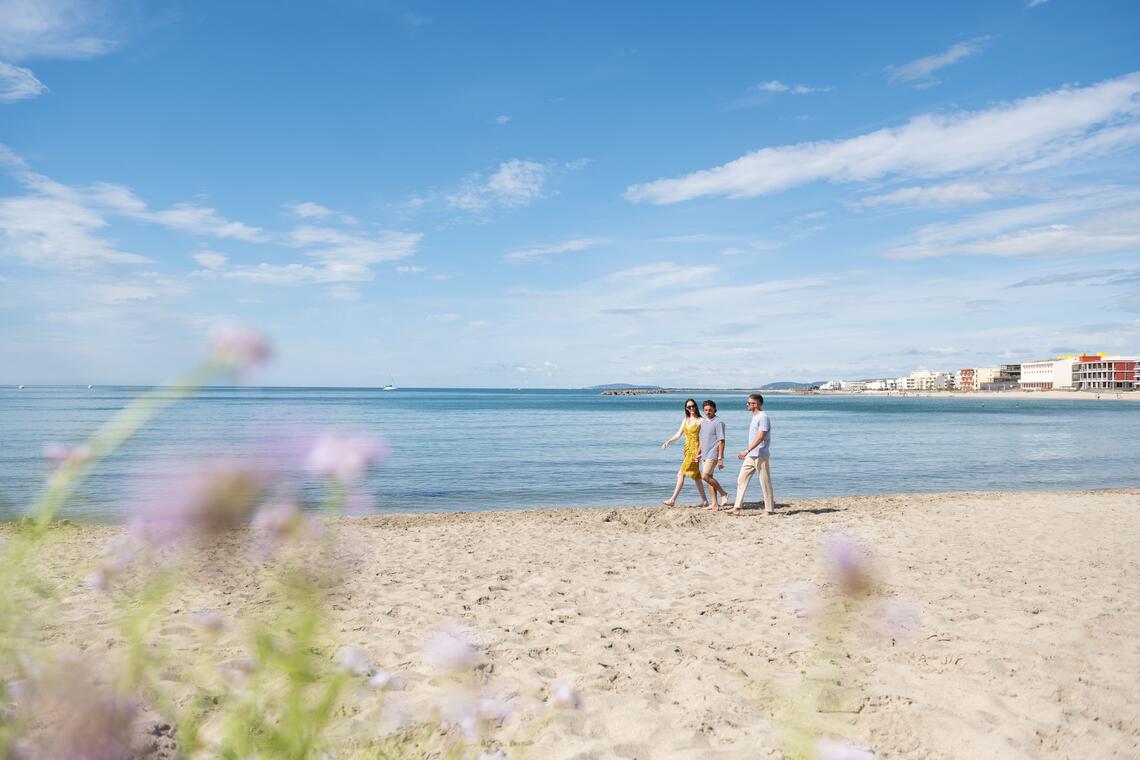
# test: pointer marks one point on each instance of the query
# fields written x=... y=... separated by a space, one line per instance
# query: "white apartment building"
x=832 y=385
x=1048 y=374
x=924 y=380
x=886 y=384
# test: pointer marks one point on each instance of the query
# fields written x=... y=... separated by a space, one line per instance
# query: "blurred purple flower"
x=86 y=720
x=239 y=348
x=343 y=457
x=835 y=749
x=493 y=708
x=113 y=564
x=215 y=497
x=60 y=454
x=382 y=680
x=563 y=694
x=238 y=669
x=353 y=660
x=452 y=648
x=274 y=524
x=848 y=563
x=495 y=755
x=459 y=712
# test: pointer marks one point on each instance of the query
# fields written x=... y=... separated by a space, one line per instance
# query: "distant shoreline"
x=1018 y=395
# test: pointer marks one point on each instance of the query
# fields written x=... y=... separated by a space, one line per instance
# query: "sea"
x=464 y=449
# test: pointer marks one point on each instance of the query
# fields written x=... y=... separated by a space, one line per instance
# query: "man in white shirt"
x=755 y=457
x=712 y=454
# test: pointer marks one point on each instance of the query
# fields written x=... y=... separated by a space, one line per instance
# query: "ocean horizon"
x=473 y=449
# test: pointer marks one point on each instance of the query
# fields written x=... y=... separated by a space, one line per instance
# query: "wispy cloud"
x=920 y=73
x=309 y=210
x=211 y=260
x=776 y=86
x=542 y=253
x=53 y=29
x=930 y=145
x=18 y=83
x=945 y=194
x=515 y=183
x=1035 y=3
x=502 y=119
x=1100 y=275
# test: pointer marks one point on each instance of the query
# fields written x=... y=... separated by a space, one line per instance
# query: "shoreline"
x=1003 y=624
x=1011 y=395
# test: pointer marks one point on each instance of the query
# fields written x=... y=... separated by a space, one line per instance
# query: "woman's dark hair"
x=696 y=409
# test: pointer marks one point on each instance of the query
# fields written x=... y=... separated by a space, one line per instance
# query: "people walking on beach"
x=755 y=457
x=690 y=464
x=712 y=454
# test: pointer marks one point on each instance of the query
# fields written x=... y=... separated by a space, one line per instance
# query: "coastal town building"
x=972 y=378
x=924 y=380
x=1048 y=374
x=1098 y=372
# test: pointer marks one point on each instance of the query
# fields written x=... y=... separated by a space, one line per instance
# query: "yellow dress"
x=691 y=465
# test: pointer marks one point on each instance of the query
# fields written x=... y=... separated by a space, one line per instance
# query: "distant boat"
x=388 y=387
x=21 y=388
x=88 y=387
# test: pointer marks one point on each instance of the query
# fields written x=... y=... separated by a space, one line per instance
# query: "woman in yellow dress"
x=691 y=464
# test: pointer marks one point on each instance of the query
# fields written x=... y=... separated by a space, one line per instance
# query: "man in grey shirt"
x=712 y=454
x=755 y=457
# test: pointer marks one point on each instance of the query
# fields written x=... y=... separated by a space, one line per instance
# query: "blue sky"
x=559 y=194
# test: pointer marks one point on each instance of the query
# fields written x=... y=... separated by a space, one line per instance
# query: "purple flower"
x=215 y=497
x=834 y=749
x=343 y=457
x=239 y=348
x=452 y=648
x=493 y=708
x=495 y=755
x=563 y=694
x=382 y=680
x=353 y=660
x=848 y=564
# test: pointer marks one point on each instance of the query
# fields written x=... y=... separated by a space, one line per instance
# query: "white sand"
x=688 y=632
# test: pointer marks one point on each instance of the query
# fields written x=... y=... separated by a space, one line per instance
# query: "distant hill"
x=623 y=387
x=787 y=385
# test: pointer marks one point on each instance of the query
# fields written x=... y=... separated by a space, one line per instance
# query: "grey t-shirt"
x=712 y=433
x=760 y=422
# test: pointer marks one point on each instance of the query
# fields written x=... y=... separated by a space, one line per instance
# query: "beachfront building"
x=972 y=378
x=855 y=386
x=1048 y=374
x=1008 y=378
x=1110 y=373
x=924 y=380
x=885 y=384
x=832 y=385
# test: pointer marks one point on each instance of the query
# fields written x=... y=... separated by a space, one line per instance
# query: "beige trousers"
x=751 y=466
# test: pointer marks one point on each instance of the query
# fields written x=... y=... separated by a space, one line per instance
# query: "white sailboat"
x=391 y=386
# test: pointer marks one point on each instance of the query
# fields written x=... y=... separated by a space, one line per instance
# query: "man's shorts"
x=707 y=466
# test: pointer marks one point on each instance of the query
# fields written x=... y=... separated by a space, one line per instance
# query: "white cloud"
x=342 y=257
x=1085 y=224
x=448 y=317
x=660 y=275
x=18 y=83
x=189 y=217
x=946 y=194
x=920 y=72
x=1035 y=3
x=309 y=210
x=210 y=259
x=1007 y=135
x=543 y=252
x=515 y=183
x=504 y=119
x=57 y=232
x=52 y=29
x=409 y=269
x=777 y=86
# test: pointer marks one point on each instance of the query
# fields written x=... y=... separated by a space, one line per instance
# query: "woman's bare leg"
x=672 y=500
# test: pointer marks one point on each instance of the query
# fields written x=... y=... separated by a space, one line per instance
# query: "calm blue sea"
x=463 y=449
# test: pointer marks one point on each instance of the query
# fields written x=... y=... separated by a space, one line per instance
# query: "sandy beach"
x=1003 y=625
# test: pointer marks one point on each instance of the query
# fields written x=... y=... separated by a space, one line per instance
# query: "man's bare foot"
x=669 y=503
x=769 y=512
x=734 y=511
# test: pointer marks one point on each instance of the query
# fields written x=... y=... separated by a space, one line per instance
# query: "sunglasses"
x=689 y=406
